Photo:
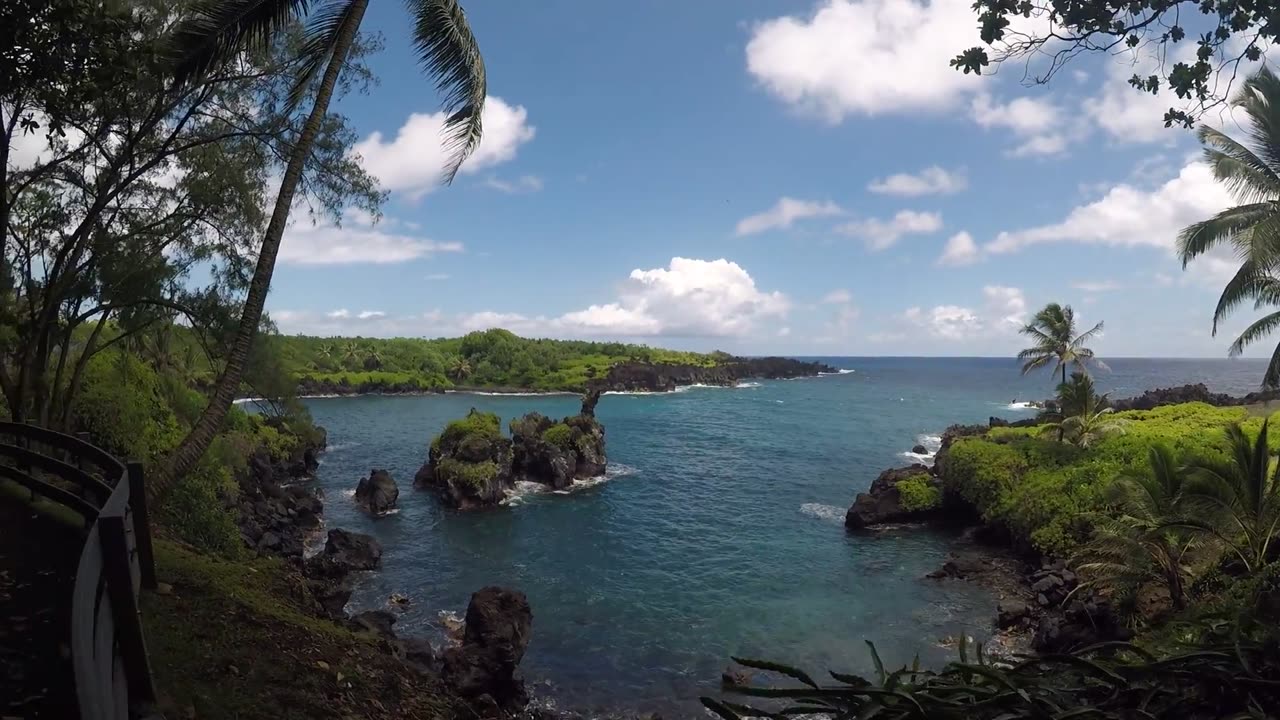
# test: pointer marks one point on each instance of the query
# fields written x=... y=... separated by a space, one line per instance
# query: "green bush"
x=200 y=509
x=560 y=435
x=917 y=494
x=484 y=425
x=121 y=404
x=474 y=475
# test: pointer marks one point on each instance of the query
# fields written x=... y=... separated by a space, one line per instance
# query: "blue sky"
x=764 y=177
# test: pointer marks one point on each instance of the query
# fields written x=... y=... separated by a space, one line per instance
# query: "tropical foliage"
x=1084 y=415
x=1251 y=172
x=1053 y=330
x=1239 y=497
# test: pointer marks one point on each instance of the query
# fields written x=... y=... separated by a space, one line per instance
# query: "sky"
x=805 y=178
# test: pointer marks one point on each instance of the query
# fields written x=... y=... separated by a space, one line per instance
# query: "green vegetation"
x=1251 y=172
x=488 y=358
x=476 y=475
x=478 y=425
x=240 y=640
x=1084 y=416
x=918 y=494
x=560 y=435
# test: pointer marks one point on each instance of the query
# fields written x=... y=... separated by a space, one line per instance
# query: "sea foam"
x=823 y=512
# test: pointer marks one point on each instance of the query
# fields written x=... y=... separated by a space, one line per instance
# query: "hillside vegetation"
x=490 y=358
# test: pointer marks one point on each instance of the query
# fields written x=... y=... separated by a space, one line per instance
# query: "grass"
x=241 y=640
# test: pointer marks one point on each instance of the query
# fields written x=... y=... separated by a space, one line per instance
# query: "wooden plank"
x=84 y=610
x=142 y=524
x=57 y=467
x=111 y=467
x=124 y=603
x=57 y=494
x=104 y=645
x=119 y=689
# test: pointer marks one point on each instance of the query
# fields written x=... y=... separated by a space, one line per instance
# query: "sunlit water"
x=719 y=531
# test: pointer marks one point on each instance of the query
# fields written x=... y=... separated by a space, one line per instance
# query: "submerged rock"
x=378 y=492
x=469 y=464
x=484 y=668
x=885 y=502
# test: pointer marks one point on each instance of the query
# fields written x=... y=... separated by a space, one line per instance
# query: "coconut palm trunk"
x=193 y=446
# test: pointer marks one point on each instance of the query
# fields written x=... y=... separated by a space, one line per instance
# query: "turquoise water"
x=718 y=532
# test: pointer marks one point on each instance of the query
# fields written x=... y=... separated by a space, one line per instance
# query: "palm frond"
x=1253 y=333
x=218 y=30
x=1086 y=336
x=1198 y=238
x=1248 y=281
x=448 y=51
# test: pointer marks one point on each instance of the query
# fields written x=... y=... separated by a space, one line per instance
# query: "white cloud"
x=1005 y=310
x=785 y=212
x=959 y=250
x=522 y=184
x=865 y=57
x=1096 y=286
x=1035 y=123
x=881 y=234
x=1130 y=216
x=784 y=331
x=688 y=298
x=932 y=180
x=437 y=276
x=414 y=161
x=838 y=296
x=326 y=244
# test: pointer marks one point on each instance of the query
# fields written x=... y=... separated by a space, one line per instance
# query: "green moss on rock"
x=917 y=494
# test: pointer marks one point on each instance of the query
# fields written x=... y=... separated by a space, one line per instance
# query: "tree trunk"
x=180 y=462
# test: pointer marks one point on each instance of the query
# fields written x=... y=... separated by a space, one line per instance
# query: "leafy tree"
x=1252 y=173
x=1239 y=498
x=1053 y=330
x=1085 y=416
x=460 y=370
x=1053 y=32
x=1143 y=542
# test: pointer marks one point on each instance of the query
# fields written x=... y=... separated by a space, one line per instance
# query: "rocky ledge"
x=472 y=465
x=906 y=494
x=666 y=377
x=276 y=514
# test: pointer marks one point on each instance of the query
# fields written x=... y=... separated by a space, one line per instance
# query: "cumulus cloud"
x=784 y=213
x=413 y=162
x=358 y=241
x=1096 y=286
x=932 y=180
x=1127 y=215
x=959 y=250
x=1004 y=311
x=687 y=298
x=881 y=234
x=865 y=57
x=839 y=326
x=1035 y=123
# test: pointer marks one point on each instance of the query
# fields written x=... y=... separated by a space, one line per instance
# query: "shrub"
x=485 y=425
x=122 y=407
x=560 y=435
x=474 y=475
x=918 y=494
x=199 y=509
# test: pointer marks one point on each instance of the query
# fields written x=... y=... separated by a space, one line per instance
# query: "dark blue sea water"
x=718 y=532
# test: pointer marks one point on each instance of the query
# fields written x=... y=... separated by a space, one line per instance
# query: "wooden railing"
x=108 y=651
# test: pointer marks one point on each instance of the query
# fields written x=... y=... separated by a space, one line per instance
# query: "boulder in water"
x=498 y=626
x=347 y=551
x=469 y=464
x=886 y=501
x=557 y=453
x=919 y=450
x=378 y=492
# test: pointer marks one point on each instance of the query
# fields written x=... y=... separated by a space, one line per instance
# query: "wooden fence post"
x=142 y=525
x=124 y=607
x=84 y=491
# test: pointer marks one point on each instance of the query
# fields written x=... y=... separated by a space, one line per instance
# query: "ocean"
x=718 y=530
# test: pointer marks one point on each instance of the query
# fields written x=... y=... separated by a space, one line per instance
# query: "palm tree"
x=1084 y=415
x=1145 y=542
x=1239 y=498
x=217 y=33
x=1252 y=175
x=1054 y=331
x=460 y=370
